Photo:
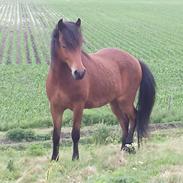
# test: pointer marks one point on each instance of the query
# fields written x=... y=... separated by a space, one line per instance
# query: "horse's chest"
x=67 y=96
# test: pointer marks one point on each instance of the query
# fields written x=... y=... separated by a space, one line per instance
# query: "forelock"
x=71 y=35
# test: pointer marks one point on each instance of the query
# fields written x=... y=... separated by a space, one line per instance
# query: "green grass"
x=150 y=30
x=158 y=160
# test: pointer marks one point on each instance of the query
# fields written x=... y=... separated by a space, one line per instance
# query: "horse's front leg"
x=57 y=114
x=78 y=112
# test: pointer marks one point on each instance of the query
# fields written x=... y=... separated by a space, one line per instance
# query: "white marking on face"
x=73 y=70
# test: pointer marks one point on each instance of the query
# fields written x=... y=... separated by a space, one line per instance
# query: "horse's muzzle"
x=78 y=74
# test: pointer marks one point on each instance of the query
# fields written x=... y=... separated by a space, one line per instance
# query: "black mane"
x=71 y=34
x=54 y=42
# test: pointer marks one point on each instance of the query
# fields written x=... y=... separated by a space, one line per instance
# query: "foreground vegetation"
x=159 y=160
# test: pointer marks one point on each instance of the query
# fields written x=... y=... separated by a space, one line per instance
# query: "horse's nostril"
x=79 y=74
x=76 y=72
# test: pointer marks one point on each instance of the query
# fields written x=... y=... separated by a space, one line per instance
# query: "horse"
x=77 y=80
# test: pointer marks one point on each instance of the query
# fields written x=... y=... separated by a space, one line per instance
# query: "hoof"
x=129 y=149
x=55 y=158
x=75 y=157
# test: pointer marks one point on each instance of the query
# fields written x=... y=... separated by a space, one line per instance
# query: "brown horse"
x=77 y=81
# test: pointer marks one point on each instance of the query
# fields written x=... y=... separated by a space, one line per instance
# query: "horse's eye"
x=63 y=46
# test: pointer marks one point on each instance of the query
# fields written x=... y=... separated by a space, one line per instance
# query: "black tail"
x=146 y=100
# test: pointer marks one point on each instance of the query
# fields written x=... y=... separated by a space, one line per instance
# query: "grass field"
x=158 y=161
x=150 y=30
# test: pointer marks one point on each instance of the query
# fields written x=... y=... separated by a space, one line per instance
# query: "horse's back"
x=127 y=64
x=116 y=55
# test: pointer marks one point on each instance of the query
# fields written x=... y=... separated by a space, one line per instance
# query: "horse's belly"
x=95 y=104
x=102 y=97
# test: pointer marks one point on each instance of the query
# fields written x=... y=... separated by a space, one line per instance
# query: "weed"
x=19 y=134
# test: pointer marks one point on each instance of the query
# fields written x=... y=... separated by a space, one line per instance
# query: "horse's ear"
x=78 y=23
x=61 y=24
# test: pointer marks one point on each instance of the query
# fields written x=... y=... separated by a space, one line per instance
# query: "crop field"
x=151 y=30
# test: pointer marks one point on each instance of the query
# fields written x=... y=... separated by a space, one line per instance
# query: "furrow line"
x=11 y=34
x=25 y=35
x=41 y=32
x=34 y=46
x=4 y=34
x=19 y=30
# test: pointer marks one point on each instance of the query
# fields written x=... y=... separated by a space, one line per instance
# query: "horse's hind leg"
x=57 y=114
x=132 y=119
x=123 y=120
x=130 y=112
x=78 y=112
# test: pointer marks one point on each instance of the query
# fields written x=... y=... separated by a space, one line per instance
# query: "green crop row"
x=150 y=30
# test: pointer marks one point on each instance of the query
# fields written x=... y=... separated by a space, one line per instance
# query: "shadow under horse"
x=77 y=81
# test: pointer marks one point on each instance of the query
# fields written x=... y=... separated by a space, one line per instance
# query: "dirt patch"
x=163 y=126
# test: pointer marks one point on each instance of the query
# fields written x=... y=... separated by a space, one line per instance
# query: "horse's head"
x=70 y=46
